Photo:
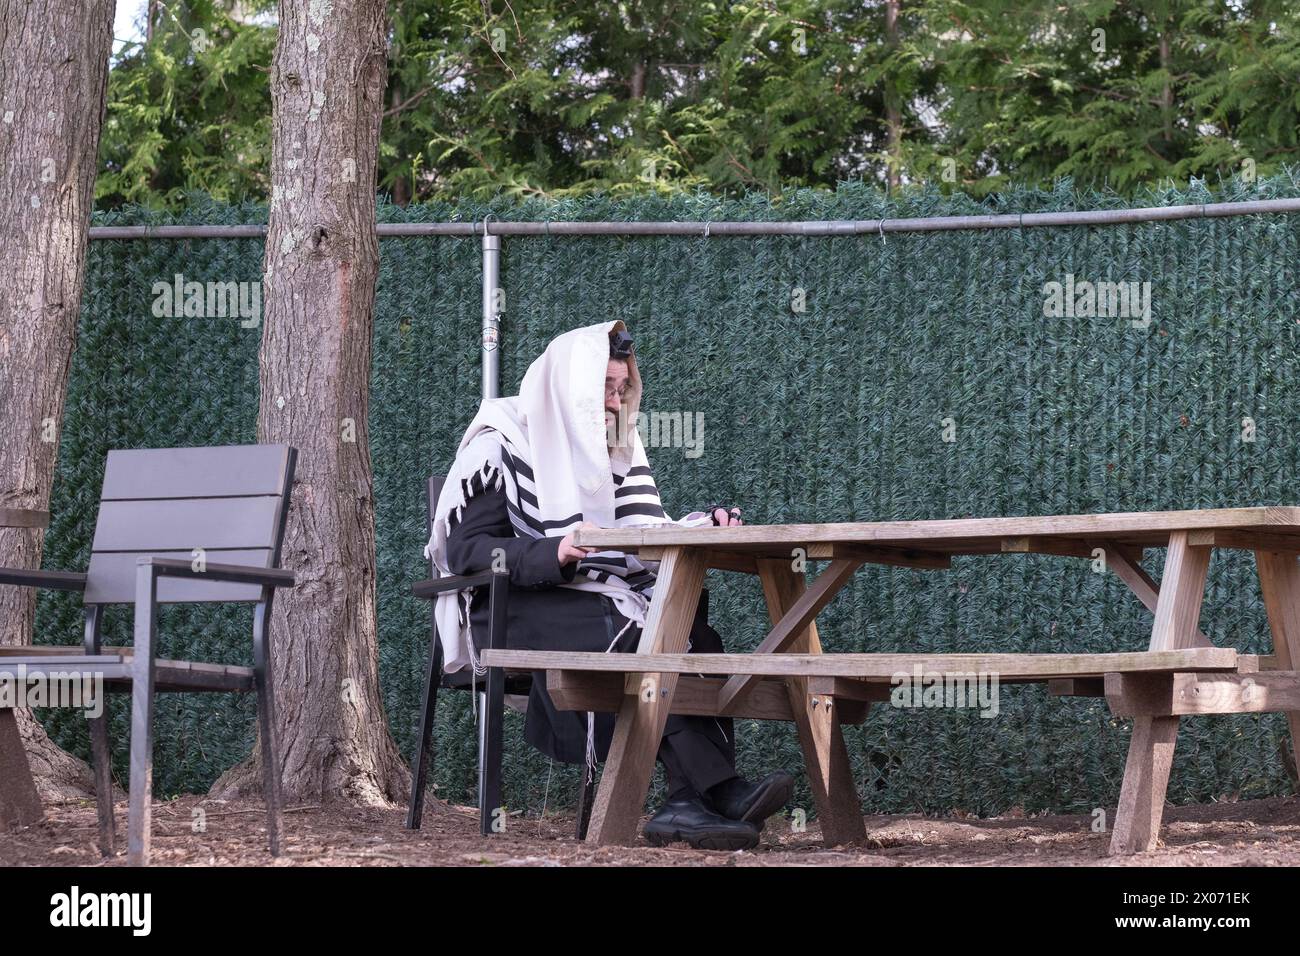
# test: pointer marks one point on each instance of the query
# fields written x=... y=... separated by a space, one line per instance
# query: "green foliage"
x=189 y=110
x=1118 y=94
x=554 y=99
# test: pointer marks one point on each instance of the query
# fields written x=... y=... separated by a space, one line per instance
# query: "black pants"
x=697 y=752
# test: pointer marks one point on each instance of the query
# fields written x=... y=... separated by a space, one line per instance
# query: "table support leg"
x=824 y=752
x=639 y=728
x=1279 y=582
x=19 y=802
x=1151 y=749
x=1146 y=779
x=1143 y=586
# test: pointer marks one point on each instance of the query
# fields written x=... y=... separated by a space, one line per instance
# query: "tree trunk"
x=320 y=267
x=1166 y=90
x=402 y=191
x=893 y=114
x=401 y=185
x=53 y=77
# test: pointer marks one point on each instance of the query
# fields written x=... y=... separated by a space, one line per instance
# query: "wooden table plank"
x=1127 y=528
x=878 y=667
x=697 y=696
x=896 y=557
x=1246 y=540
x=1176 y=695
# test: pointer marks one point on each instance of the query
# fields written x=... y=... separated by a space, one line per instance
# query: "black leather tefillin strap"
x=713 y=509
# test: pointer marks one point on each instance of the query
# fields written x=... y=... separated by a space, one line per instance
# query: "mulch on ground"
x=197 y=831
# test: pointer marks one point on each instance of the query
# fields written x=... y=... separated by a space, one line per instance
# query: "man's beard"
x=619 y=427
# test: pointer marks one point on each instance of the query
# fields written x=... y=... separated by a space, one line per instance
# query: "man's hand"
x=568 y=552
x=724 y=517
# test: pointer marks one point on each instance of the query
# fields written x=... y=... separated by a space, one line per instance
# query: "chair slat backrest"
x=230 y=501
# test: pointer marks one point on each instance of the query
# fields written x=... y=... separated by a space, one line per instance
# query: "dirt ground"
x=1255 y=833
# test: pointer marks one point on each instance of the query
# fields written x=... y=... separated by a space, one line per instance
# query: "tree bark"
x=402 y=191
x=401 y=185
x=1166 y=90
x=53 y=77
x=319 y=272
x=893 y=114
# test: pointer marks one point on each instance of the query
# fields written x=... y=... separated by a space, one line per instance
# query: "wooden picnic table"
x=19 y=802
x=1181 y=673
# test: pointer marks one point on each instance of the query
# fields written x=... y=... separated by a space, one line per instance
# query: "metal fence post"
x=491 y=314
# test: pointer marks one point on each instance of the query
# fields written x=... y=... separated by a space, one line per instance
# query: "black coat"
x=542 y=616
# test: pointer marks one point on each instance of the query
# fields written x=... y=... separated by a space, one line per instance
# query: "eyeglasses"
x=620 y=392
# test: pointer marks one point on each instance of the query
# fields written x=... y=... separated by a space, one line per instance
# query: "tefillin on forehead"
x=620 y=344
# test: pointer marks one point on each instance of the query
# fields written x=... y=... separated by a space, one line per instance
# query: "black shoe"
x=739 y=799
x=690 y=821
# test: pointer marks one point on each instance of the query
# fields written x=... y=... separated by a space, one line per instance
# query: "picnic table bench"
x=788 y=677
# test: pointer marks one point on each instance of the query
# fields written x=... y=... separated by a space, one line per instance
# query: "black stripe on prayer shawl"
x=633 y=472
x=639 y=508
x=523 y=524
x=515 y=467
x=640 y=497
x=526 y=495
x=516 y=464
x=520 y=492
x=538 y=525
x=640 y=581
x=625 y=490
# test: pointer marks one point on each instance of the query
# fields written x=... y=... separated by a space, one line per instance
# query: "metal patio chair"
x=176 y=526
x=492 y=691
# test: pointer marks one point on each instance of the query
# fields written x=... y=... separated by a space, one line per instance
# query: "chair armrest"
x=237 y=573
x=151 y=567
x=53 y=580
x=430 y=588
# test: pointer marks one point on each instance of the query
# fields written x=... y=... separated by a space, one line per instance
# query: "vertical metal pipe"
x=482 y=750
x=491 y=315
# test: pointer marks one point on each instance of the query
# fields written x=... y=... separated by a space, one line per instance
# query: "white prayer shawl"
x=547 y=446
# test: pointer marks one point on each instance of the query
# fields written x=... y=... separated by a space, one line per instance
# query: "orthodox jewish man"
x=531 y=469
